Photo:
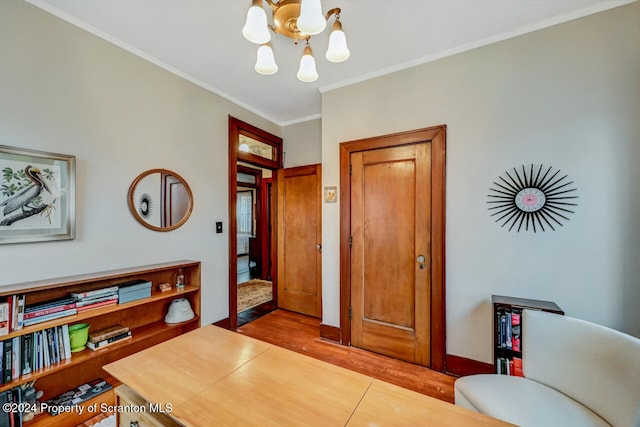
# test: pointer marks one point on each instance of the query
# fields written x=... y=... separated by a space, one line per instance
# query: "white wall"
x=302 y=143
x=66 y=91
x=568 y=97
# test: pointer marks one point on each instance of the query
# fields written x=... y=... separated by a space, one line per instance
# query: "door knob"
x=421 y=260
x=319 y=247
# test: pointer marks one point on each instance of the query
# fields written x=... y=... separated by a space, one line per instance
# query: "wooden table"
x=212 y=376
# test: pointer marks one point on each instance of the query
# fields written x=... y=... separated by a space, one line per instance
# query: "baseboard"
x=330 y=333
x=461 y=366
x=224 y=323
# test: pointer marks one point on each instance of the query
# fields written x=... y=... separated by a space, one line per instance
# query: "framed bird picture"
x=37 y=196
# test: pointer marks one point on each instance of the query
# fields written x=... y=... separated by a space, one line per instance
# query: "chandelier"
x=299 y=20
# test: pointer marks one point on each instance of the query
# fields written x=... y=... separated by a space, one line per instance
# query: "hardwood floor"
x=300 y=333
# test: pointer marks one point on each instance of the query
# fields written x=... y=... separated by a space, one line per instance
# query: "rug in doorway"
x=253 y=293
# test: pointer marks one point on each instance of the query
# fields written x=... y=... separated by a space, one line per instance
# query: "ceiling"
x=201 y=40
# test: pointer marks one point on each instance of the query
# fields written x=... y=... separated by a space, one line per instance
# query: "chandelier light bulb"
x=266 y=62
x=338 y=50
x=311 y=20
x=256 y=29
x=307 y=72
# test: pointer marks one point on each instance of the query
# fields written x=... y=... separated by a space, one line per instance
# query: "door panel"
x=176 y=200
x=299 y=234
x=390 y=228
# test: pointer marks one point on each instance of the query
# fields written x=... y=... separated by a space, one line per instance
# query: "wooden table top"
x=212 y=376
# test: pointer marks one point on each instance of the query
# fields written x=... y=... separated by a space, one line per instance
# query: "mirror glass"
x=160 y=199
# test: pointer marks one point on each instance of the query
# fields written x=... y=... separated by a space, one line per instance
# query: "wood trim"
x=263 y=228
x=437 y=136
x=233 y=224
x=223 y=323
x=461 y=366
x=330 y=333
x=243 y=128
x=237 y=127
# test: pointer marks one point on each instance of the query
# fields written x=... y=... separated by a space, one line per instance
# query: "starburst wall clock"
x=532 y=199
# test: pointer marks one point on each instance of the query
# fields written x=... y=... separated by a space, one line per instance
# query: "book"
x=108 y=332
x=48 y=304
x=515 y=326
x=10 y=314
x=27 y=353
x=14 y=312
x=109 y=341
x=508 y=327
x=46 y=361
x=65 y=341
x=20 y=311
x=97 y=305
x=16 y=360
x=503 y=330
x=53 y=349
x=49 y=310
x=4 y=318
x=17 y=398
x=517 y=367
x=98 y=292
x=51 y=316
x=8 y=351
x=40 y=350
x=88 y=301
x=1 y=363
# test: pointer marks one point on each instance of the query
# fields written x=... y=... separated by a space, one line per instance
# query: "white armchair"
x=577 y=374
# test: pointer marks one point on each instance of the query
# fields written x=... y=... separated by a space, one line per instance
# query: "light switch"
x=219 y=227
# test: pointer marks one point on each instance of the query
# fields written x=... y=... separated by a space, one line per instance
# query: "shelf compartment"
x=138 y=335
x=85 y=315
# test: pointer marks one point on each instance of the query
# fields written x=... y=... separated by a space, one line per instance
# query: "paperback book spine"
x=110 y=341
x=51 y=316
x=47 y=311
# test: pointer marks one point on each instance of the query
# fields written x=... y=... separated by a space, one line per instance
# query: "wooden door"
x=176 y=200
x=391 y=251
x=299 y=239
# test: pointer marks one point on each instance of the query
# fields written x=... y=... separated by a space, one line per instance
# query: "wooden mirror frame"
x=132 y=205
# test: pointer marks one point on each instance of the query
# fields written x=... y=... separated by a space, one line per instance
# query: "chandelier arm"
x=273 y=5
x=334 y=11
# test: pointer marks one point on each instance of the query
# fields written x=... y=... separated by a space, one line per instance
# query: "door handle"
x=421 y=260
x=319 y=247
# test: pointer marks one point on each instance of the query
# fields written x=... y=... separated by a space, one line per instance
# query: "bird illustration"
x=26 y=196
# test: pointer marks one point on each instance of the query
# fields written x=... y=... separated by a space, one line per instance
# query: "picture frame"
x=330 y=194
x=37 y=196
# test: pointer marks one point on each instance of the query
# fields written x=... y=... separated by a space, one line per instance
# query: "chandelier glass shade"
x=266 y=62
x=298 y=20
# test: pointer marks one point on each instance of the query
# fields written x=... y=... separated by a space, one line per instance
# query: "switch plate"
x=219 y=227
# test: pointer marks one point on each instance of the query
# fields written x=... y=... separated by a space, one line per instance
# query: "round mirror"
x=160 y=199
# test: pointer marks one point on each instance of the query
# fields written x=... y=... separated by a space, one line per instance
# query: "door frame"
x=435 y=135
x=236 y=128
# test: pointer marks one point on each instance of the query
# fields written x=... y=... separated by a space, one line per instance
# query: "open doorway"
x=254 y=156
x=253 y=241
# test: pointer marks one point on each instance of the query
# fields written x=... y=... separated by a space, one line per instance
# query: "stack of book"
x=108 y=336
x=27 y=353
x=11 y=314
x=96 y=298
x=49 y=310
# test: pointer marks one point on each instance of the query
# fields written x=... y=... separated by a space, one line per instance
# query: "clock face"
x=533 y=198
x=530 y=199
